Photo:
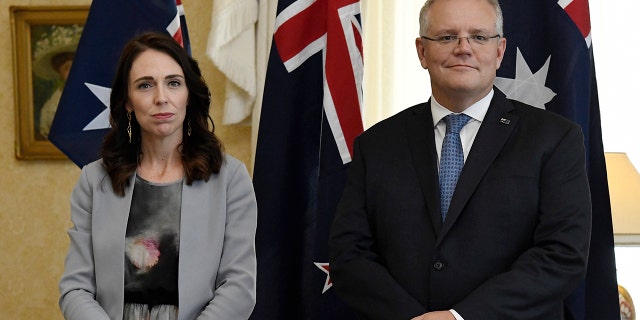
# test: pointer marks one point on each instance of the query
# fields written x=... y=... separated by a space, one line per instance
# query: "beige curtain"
x=264 y=35
x=394 y=79
x=378 y=33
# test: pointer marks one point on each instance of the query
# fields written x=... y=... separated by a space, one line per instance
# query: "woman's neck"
x=160 y=163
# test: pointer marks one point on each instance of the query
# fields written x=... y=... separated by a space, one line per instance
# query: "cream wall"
x=34 y=195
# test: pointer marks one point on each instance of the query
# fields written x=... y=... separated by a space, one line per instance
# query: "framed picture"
x=44 y=44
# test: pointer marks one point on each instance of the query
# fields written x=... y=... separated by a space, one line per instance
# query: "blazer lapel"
x=193 y=225
x=425 y=159
x=111 y=214
x=496 y=127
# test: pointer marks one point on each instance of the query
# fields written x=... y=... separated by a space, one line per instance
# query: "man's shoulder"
x=399 y=119
x=540 y=115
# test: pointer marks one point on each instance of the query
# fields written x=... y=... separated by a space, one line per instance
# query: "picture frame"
x=44 y=41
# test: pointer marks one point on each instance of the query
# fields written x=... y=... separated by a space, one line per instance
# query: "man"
x=504 y=237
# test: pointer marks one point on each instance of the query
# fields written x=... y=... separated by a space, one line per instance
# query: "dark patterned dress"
x=151 y=251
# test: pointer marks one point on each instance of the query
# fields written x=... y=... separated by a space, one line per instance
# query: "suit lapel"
x=496 y=127
x=423 y=150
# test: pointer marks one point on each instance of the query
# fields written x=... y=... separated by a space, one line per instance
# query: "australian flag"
x=549 y=64
x=310 y=116
x=82 y=117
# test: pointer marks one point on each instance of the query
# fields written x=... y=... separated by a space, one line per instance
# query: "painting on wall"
x=44 y=44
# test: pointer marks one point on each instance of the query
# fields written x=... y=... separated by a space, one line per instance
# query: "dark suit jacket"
x=516 y=238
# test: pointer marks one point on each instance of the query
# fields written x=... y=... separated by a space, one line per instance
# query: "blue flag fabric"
x=549 y=64
x=82 y=117
x=310 y=115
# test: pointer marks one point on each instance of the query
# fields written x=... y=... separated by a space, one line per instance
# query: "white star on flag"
x=325 y=268
x=527 y=87
x=102 y=120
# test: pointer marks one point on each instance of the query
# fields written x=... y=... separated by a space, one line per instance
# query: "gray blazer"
x=217 y=264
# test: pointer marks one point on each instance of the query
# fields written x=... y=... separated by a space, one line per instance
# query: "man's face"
x=461 y=68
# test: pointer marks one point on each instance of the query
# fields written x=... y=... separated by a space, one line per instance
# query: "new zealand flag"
x=310 y=116
x=82 y=117
x=549 y=64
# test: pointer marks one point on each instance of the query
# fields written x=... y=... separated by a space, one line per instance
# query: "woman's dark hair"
x=202 y=152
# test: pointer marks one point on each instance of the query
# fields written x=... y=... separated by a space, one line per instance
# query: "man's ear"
x=422 y=52
x=502 y=46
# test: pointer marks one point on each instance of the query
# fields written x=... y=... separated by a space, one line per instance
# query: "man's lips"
x=460 y=66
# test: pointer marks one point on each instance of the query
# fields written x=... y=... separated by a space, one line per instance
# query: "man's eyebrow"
x=454 y=31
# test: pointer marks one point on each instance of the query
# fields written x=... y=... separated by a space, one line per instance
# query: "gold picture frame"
x=38 y=33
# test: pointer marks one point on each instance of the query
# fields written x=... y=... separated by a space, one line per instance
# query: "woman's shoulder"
x=231 y=169
x=93 y=175
x=231 y=163
x=95 y=167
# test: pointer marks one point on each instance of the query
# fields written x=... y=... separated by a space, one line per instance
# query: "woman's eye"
x=175 y=83
x=144 y=85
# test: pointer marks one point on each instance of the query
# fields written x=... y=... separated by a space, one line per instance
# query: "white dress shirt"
x=476 y=111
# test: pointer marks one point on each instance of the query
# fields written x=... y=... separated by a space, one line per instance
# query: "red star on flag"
x=325 y=268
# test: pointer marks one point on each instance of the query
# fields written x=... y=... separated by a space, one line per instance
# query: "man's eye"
x=479 y=37
x=447 y=38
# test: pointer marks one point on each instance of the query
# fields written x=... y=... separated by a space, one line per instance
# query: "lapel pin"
x=505 y=121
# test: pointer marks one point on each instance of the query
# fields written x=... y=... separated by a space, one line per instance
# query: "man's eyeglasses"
x=450 y=40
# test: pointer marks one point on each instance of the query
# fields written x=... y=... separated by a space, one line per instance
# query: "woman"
x=164 y=223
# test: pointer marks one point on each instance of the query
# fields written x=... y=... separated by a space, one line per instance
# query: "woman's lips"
x=163 y=116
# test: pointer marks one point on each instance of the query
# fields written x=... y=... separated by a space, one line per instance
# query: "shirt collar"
x=476 y=111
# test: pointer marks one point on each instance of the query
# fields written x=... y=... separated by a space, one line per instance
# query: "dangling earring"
x=189 y=127
x=129 y=126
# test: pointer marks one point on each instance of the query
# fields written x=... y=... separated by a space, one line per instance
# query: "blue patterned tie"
x=451 y=159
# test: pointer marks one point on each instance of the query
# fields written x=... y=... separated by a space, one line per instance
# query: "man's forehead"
x=444 y=16
x=468 y=8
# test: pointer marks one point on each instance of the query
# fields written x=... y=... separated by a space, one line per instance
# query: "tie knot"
x=455 y=122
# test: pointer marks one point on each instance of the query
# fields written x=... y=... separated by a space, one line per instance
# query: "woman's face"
x=158 y=95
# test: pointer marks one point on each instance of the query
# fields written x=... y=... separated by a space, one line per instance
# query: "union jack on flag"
x=311 y=113
x=300 y=33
